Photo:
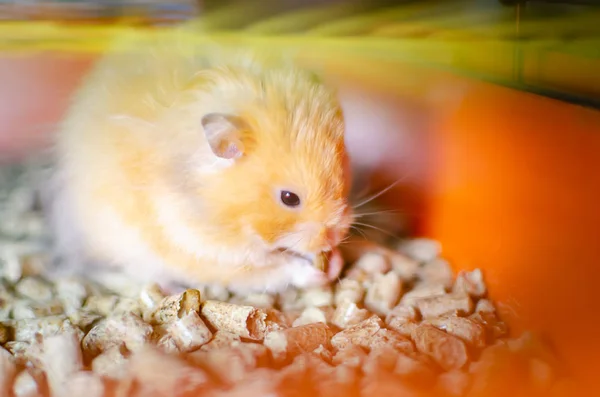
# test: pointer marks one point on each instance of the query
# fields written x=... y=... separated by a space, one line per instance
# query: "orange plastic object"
x=516 y=193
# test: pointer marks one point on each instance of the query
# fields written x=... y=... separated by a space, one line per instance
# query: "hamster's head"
x=284 y=176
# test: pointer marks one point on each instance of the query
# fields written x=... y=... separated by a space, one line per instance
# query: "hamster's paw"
x=335 y=265
x=304 y=275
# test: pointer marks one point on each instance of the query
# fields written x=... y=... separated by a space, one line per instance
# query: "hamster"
x=182 y=167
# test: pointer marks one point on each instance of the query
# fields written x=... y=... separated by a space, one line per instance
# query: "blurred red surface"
x=36 y=90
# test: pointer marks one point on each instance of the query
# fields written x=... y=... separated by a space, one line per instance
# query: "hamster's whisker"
x=376 y=228
x=360 y=215
x=360 y=231
x=345 y=239
x=361 y=194
x=292 y=248
x=382 y=191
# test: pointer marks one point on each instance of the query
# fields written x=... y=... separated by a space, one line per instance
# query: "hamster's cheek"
x=277 y=228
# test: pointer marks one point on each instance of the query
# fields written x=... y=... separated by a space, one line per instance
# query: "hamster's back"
x=106 y=136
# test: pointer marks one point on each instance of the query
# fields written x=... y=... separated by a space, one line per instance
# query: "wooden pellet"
x=245 y=321
x=447 y=350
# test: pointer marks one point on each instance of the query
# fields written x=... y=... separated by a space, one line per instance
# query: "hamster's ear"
x=224 y=135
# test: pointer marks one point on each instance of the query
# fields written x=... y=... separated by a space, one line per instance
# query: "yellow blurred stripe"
x=369 y=21
x=303 y=19
x=458 y=49
x=562 y=72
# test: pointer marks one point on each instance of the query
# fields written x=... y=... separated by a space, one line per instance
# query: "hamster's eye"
x=290 y=199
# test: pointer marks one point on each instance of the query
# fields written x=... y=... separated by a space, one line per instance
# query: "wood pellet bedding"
x=398 y=323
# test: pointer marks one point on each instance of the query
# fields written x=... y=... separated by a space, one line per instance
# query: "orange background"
x=516 y=194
